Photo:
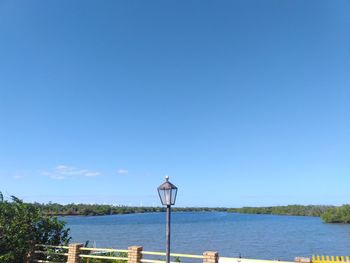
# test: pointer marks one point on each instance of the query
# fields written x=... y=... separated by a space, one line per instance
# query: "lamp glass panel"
x=167 y=197
x=161 y=195
x=173 y=196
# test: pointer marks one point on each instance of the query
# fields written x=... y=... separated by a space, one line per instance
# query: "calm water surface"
x=251 y=236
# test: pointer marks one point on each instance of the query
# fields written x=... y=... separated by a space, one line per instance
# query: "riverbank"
x=54 y=209
x=329 y=214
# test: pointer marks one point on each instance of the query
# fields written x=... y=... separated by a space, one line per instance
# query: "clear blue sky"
x=239 y=102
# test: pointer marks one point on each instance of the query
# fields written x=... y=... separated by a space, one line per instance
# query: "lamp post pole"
x=168 y=212
x=167 y=194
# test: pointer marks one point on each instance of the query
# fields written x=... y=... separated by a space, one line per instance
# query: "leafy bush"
x=339 y=214
x=22 y=226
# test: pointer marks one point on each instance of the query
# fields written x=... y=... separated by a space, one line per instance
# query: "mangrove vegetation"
x=292 y=210
x=329 y=214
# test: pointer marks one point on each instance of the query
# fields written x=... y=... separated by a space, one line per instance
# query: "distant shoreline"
x=329 y=214
x=125 y=211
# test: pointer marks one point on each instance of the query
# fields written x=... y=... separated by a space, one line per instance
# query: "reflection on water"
x=252 y=236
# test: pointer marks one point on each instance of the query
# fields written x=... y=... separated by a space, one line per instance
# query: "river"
x=232 y=235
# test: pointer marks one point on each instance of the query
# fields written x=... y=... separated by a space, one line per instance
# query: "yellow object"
x=329 y=259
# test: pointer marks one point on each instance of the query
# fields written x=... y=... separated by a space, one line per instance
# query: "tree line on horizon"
x=291 y=210
x=56 y=209
x=329 y=214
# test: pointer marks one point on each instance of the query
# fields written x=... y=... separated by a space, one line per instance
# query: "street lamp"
x=167 y=194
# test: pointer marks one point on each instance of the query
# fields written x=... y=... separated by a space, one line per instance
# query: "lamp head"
x=167 y=192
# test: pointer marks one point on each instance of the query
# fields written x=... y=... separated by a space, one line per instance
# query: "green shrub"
x=22 y=226
x=339 y=214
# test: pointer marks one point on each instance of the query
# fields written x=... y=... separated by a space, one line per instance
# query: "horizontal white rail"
x=154 y=261
x=44 y=261
x=171 y=254
x=102 y=257
x=104 y=249
x=246 y=260
x=50 y=253
x=49 y=246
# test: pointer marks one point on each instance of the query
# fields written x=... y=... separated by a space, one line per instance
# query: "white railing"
x=49 y=252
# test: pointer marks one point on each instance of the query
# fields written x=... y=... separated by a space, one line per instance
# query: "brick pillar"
x=134 y=254
x=73 y=253
x=210 y=257
x=302 y=260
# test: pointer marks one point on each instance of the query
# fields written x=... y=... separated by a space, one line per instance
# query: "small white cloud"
x=123 y=171
x=57 y=177
x=18 y=175
x=63 y=171
x=91 y=174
